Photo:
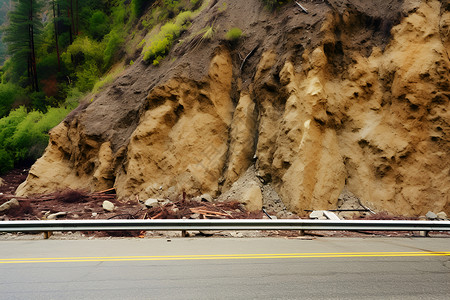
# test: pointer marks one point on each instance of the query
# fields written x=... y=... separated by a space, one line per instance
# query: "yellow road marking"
x=218 y=257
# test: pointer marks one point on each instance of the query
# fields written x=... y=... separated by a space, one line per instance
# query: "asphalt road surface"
x=225 y=268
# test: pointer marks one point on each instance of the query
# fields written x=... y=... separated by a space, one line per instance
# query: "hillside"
x=349 y=98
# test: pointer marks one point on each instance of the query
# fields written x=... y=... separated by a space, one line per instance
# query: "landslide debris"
x=353 y=95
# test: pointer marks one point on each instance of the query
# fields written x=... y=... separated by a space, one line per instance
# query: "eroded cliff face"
x=355 y=94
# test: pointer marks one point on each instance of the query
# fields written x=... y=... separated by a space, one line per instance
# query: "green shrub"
x=98 y=25
x=87 y=77
x=233 y=34
x=137 y=7
x=39 y=101
x=8 y=94
x=6 y=161
x=161 y=43
x=24 y=136
x=113 y=42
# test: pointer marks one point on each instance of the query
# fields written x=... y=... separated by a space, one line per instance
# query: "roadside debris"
x=9 y=204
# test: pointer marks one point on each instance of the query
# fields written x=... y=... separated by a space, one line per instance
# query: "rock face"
x=354 y=95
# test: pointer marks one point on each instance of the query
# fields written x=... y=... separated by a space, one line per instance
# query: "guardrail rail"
x=222 y=224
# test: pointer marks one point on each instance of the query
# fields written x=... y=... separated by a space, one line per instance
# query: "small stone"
x=56 y=215
x=236 y=234
x=431 y=215
x=206 y=197
x=195 y=216
x=281 y=215
x=316 y=214
x=94 y=214
x=9 y=204
x=108 y=205
x=442 y=215
x=151 y=202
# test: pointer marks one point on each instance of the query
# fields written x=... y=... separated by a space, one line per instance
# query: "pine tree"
x=21 y=36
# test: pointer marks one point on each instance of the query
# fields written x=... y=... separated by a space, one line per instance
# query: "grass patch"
x=160 y=44
x=233 y=34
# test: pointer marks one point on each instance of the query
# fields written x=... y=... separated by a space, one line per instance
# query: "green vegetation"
x=24 y=135
x=56 y=60
x=233 y=34
x=272 y=4
x=161 y=43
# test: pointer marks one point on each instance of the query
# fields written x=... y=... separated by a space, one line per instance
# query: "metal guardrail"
x=222 y=224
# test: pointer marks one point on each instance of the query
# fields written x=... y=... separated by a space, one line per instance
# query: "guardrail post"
x=424 y=233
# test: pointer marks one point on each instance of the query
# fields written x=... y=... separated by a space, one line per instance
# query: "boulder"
x=441 y=215
x=8 y=205
x=252 y=198
x=316 y=214
x=206 y=197
x=151 y=202
x=108 y=205
x=431 y=215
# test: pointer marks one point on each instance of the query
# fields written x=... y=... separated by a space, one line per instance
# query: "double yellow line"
x=217 y=257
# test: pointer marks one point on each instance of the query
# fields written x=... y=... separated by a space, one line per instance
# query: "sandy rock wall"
x=181 y=142
x=362 y=105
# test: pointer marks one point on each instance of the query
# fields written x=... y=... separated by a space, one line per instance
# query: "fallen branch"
x=105 y=191
x=248 y=55
x=205 y=212
x=299 y=5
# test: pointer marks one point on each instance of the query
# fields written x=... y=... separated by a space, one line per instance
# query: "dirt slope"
x=354 y=94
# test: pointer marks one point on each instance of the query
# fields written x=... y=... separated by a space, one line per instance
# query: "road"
x=226 y=268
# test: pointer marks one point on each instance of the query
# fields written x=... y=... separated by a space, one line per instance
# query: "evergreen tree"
x=21 y=36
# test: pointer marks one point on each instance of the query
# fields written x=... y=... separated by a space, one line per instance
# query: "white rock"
x=94 y=214
x=151 y=202
x=9 y=204
x=331 y=215
x=316 y=214
x=108 y=205
x=164 y=202
x=56 y=215
x=442 y=215
x=431 y=215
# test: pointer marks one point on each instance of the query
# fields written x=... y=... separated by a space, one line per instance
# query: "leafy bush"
x=113 y=42
x=6 y=161
x=137 y=6
x=87 y=77
x=24 y=135
x=8 y=94
x=233 y=34
x=98 y=25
